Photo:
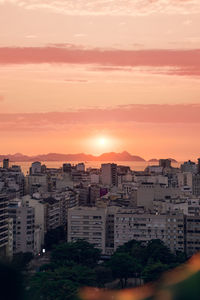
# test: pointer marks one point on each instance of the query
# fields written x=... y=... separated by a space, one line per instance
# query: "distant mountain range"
x=111 y=156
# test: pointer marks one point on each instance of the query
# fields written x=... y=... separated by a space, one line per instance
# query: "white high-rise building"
x=23 y=226
x=39 y=208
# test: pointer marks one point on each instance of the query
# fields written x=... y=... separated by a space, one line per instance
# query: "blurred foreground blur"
x=179 y=284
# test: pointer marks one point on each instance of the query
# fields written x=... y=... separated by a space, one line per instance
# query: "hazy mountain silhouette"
x=111 y=156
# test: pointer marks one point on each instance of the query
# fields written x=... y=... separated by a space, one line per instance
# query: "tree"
x=123 y=266
x=103 y=275
x=52 y=286
x=135 y=249
x=80 y=252
x=54 y=236
x=153 y=271
x=157 y=251
x=71 y=267
x=181 y=257
x=21 y=260
x=61 y=283
x=81 y=275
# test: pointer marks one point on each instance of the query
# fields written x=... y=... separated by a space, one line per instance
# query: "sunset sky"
x=100 y=75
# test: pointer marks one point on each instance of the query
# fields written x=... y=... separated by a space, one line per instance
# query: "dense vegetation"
x=79 y=264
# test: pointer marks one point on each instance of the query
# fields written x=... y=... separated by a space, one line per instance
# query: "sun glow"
x=102 y=141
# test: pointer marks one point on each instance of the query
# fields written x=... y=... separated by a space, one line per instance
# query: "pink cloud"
x=140 y=113
x=111 y=7
x=181 y=62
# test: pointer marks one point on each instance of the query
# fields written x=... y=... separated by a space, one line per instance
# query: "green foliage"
x=135 y=249
x=76 y=264
x=181 y=257
x=154 y=257
x=157 y=251
x=72 y=266
x=21 y=260
x=124 y=266
x=61 y=283
x=52 y=286
x=48 y=267
x=54 y=236
x=103 y=275
x=82 y=275
x=80 y=252
x=153 y=271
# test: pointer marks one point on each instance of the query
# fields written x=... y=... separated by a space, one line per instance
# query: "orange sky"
x=75 y=72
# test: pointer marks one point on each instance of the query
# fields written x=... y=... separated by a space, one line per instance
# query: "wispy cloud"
x=140 y=113
x=111 y=7
x=76 y=80
x=178 y=62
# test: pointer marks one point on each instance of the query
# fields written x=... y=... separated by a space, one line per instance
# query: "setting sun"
x=102 y=141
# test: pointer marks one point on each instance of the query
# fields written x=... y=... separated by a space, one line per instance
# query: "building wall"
x=23 y=227
x=3 y=224
x=146 y=193
x=144 y=227
x=9 y=250
x=109 y=174
x=192 y=230
x=39 y=214
x=88 y=223
x=196 y=185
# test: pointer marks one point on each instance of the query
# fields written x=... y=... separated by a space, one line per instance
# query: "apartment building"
x=109 y=174
x=40 y=228
x=36 y=183
x=88 y=223
x=192 y=234
x=3 y=225
x=196 y=184
x=130 y=224
x=147 y=192
x=23 y=226
x=52 y=213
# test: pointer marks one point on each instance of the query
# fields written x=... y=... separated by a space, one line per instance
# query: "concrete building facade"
x=3 y=225
x=109 y=174
x=88 y=223
x=23 y=226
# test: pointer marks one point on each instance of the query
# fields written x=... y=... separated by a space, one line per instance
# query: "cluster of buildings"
x=106 y=207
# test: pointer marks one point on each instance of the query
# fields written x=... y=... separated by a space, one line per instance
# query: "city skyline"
x=98 y=77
